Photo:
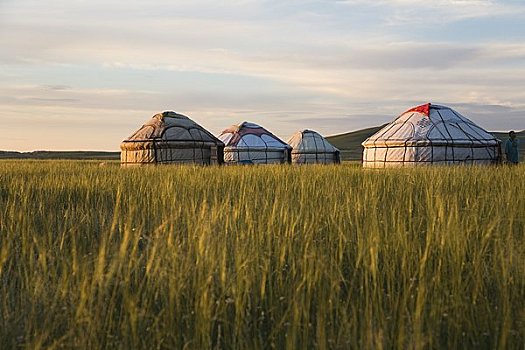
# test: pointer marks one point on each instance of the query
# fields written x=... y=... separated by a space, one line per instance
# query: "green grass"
x=261 y=257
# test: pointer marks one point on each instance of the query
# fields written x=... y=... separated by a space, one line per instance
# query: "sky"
x=85 y=74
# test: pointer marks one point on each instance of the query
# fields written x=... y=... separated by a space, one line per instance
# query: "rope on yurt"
x=481 y=139
x=386 y=144
x=265 y=149
x=452 y=146
x=405 y=148
x=443 y=137
x=471 y=142
x=431 y=150
x=387 y=128
x=155 y=151
x=316 y=148
x=469 y=124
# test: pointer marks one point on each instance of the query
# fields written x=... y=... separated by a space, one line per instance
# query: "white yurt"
x=430 y=134
x=249 y=143
x=309 y=147
x=169 y=138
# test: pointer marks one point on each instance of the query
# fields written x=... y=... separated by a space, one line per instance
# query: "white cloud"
x=327 y=65
x=441 y=11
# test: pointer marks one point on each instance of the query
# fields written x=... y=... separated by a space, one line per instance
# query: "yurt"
x=309 y=147
x=249 y=143
x=430 y=134
x=169 y=138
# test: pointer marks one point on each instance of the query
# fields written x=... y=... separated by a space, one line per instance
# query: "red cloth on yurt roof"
x=424 y=109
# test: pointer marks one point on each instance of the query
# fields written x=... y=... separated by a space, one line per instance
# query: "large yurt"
x=309 y=147
x=169 y=138
x=249 y=143
x=430 y=134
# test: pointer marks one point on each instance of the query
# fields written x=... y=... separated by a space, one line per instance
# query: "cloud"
x=223 y=46
x=57 y=87
x=438 y=12
x=330 y=65
x=51 y=100
x=484 y=109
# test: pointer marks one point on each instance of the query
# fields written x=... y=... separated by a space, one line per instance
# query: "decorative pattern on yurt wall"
x=309 y=147
x=430 y=134
x=169 y=138
x=251 y=143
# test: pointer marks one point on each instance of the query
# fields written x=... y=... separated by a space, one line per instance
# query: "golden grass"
x=259 y=257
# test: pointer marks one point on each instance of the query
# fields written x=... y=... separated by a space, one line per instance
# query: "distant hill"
x=350 y=143
x=96 y=155
x=504 y=136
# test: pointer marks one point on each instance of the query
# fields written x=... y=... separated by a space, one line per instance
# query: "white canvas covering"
x=430 y=134
x=309 y=147
x=251 y=143
x=169 y=138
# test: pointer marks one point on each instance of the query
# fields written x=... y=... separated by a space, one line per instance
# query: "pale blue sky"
x=84 y=74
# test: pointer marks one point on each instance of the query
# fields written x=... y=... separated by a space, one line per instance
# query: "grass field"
x=261 y=257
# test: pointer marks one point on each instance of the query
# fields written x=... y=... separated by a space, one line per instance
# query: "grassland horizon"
x=328 y=257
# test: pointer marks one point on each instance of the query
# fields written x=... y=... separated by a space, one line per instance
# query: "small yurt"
x=430 y=134
x=169 y=138
x=249 y=143
x=309 y=147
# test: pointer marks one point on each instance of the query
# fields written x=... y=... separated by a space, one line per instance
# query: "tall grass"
x=261 y=257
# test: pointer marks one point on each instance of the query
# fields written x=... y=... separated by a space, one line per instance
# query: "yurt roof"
x=309 y=140
x=430 y=124
x=171 y=126
x=250 y=135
